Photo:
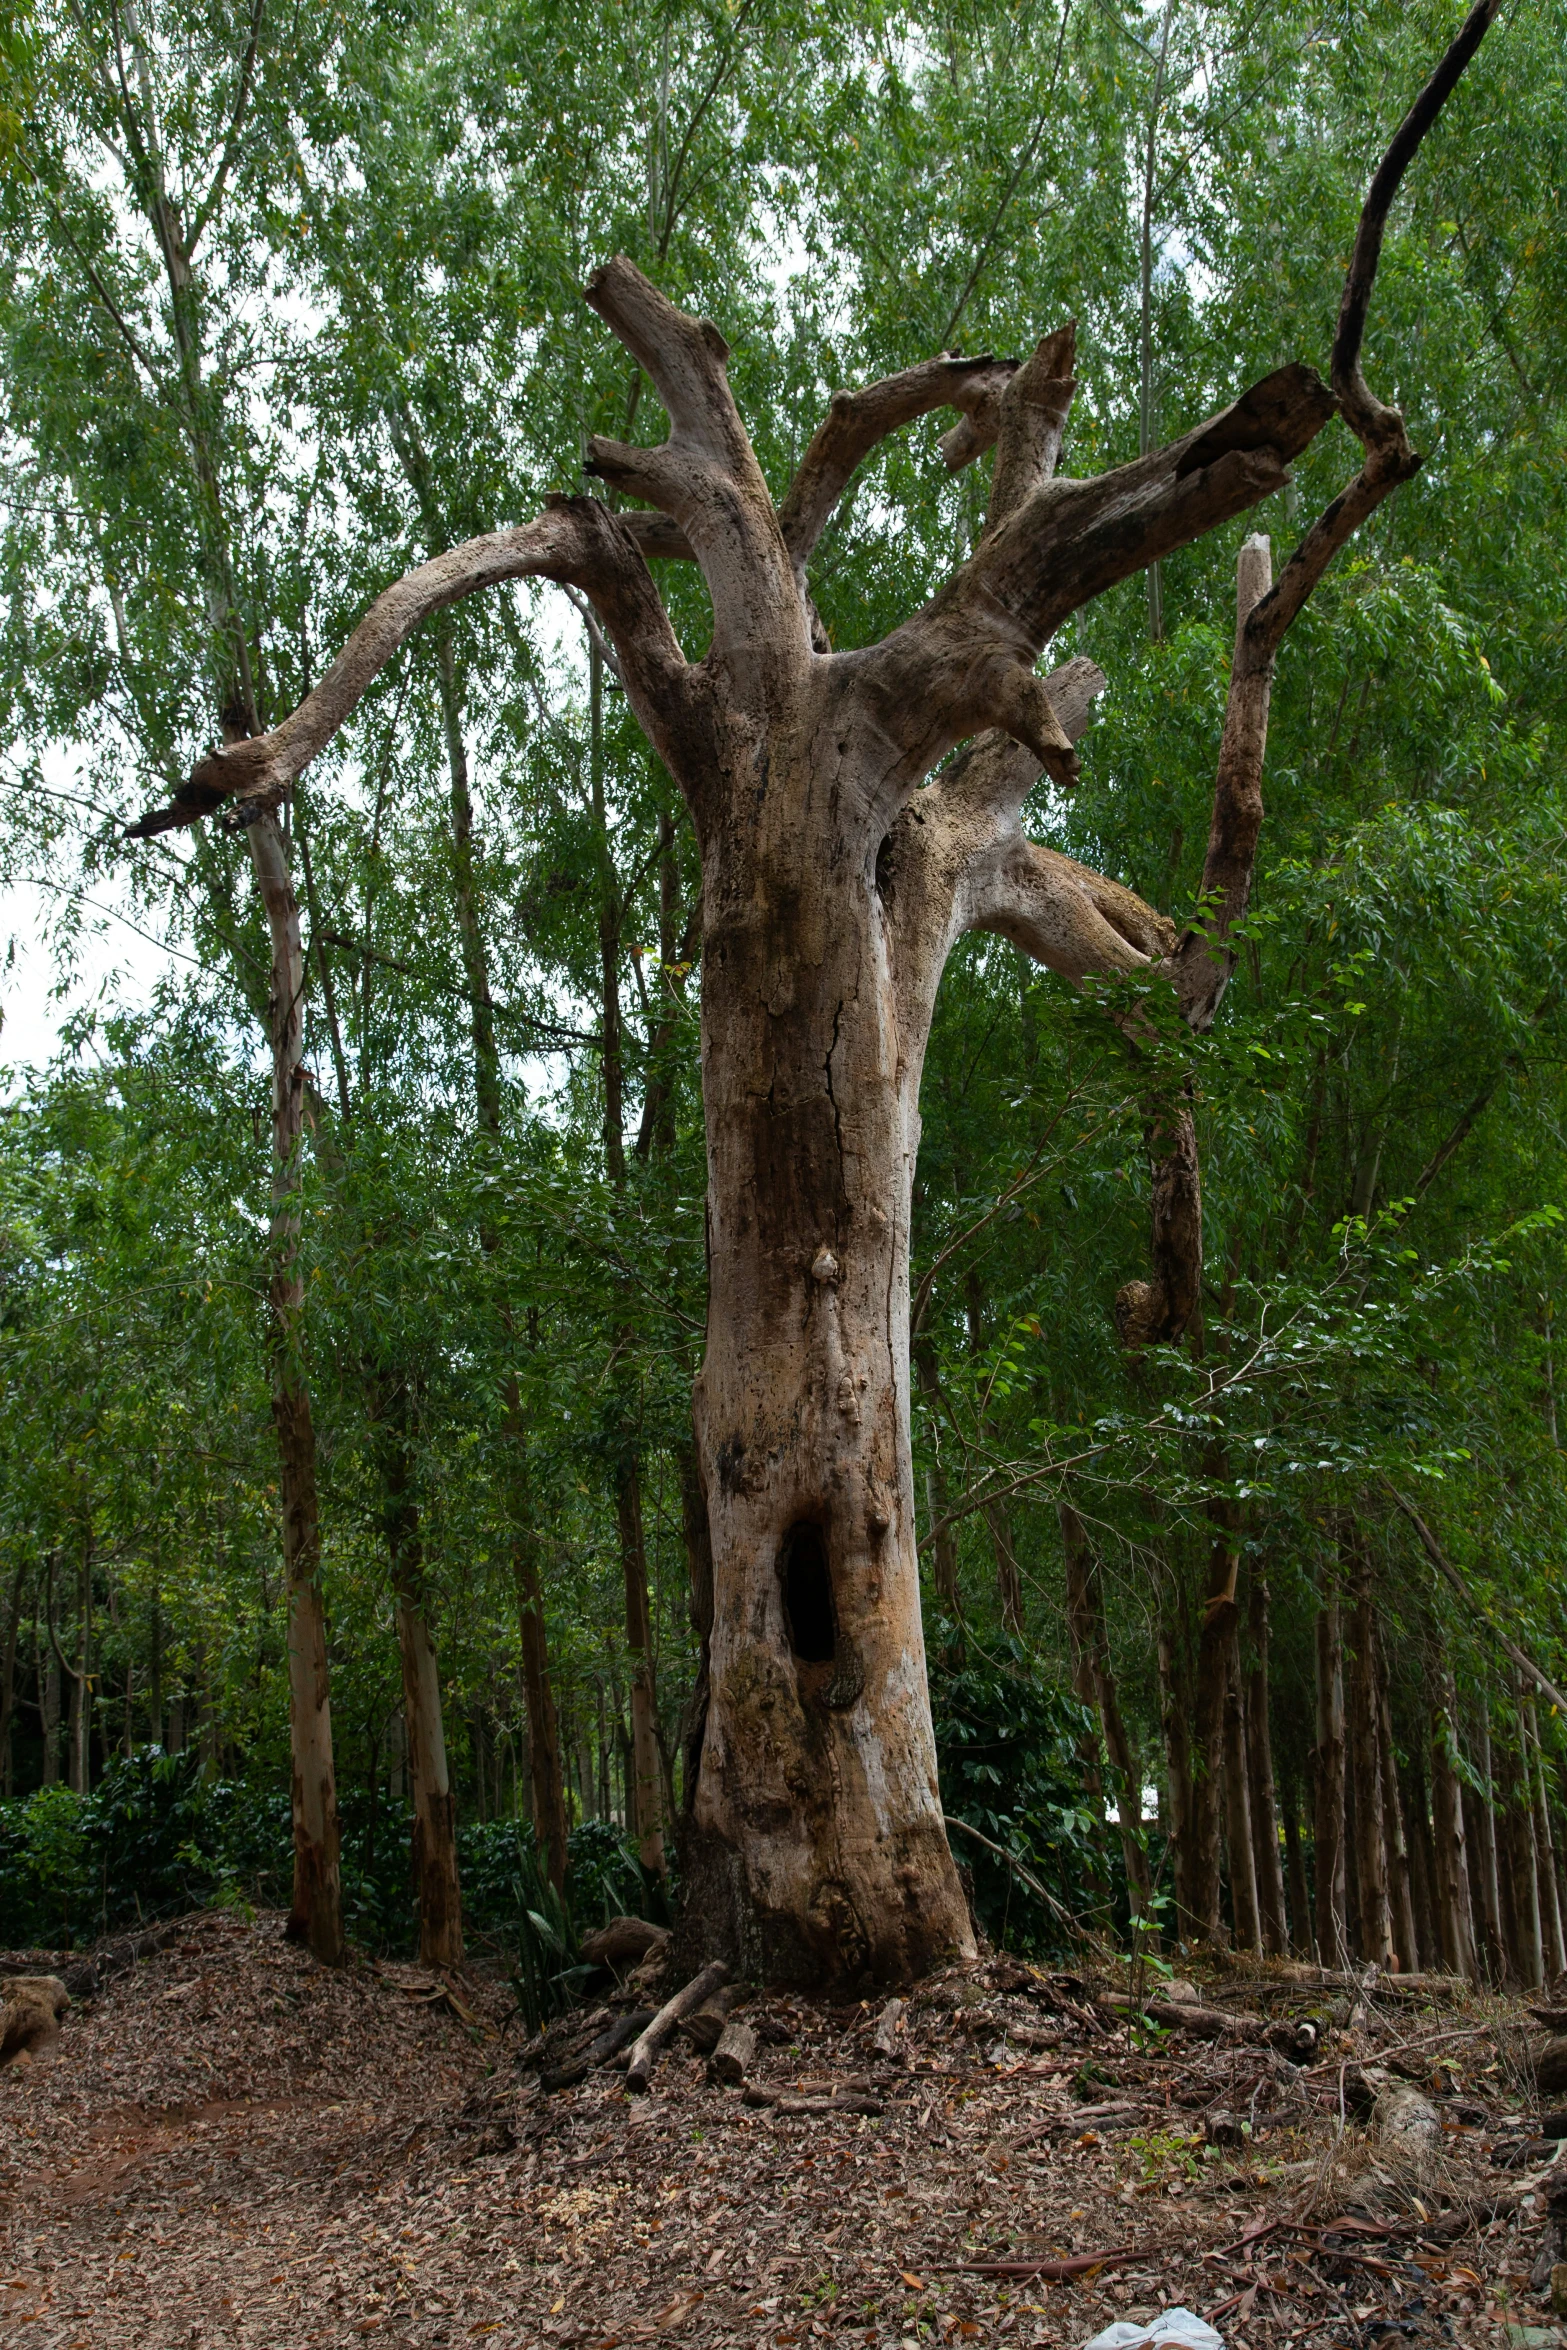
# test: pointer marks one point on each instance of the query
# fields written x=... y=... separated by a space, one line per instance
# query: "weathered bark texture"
x=835 y=882
x=316 y=1912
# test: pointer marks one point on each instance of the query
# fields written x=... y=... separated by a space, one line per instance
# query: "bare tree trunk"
x=1295 y=1863
x=1422 y=1863
x=546 y=1786
x=1454 y=1915
x=1009 y=1583
x=647 y=1805
x=945 y=1545
x=1260 y=1775
x=1485 y=1874
x=1178 y=1772
x=1245 y=1907
x=1216 y=1666
x=434 y=1803
x=1328 y=1782
x=80 y=1717
x=1395 y=1841
x=699 y=1574
x=49 y=1705
x=1095 y=1679
x=1529 y=1947
x=1098 y=1686
x=316 y=1913
x=8 y=1678
x=1376 y=1936
x=1554 y=1947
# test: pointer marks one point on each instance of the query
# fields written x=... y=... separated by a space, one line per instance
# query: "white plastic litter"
x=1172 y=2329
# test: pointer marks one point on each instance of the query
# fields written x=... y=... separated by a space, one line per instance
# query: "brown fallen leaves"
x=280 y=2155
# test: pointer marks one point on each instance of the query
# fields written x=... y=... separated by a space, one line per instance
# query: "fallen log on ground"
x=599 y=2051
x=735 y=2054
x=1298 y=2041
x=685 y=2002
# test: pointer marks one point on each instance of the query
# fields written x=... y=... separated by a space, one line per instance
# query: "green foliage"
x=1010 y=1750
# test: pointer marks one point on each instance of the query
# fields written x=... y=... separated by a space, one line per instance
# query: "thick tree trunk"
x=1260 y=1775
x=1375 y=1921
x=1455 y=1917
x=647 y=1802
x=316 y=1912
x=818 y=1850
x=1328 y=1789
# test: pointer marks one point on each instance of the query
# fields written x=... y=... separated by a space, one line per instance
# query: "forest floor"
x=236 y=2146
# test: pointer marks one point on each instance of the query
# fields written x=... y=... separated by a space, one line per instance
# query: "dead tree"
x=836 y=881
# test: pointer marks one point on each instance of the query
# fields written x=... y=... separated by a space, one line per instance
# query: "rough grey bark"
x=836 y=880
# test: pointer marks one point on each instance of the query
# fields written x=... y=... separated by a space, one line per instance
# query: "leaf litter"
x=237 y=2146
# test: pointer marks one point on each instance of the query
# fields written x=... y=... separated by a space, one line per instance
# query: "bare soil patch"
x=236 y=2146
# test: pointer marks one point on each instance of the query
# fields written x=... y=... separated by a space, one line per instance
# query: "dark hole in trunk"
x=807 y=1591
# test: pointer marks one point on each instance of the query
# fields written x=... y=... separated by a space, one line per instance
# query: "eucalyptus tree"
x=145 y=144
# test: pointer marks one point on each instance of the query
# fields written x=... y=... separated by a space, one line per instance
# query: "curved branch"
x=1365 y=415
x=854 y=424
x=1068 y=917
x=1032 y=423
x=576 y=541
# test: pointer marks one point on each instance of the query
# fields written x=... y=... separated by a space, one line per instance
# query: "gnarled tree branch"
x=577 y=541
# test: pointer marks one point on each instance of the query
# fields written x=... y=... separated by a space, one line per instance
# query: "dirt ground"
x=234 y=2145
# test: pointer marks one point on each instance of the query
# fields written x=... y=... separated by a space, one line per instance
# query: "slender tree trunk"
x=1175 y=1732
x=1395 y=1841
x=1245 y=1906
x=1009 y=1583
x=76 y=1714
x=546 y=1784
x=49 y=1692
x=1554 y=1947
x=1529 y=1945
x=1454 y=1913
x=434 y=1803
x=1376 y=1928
x=647 y=1806
x=1094 y=1678
x=945 y=1546
x=316 y=1913
x=155 y=1721
x=1260 y=1775
x=1422 y=1862
x=1295 y=1864
x=1217 y=1664
x=1328 y=1779
x=13 y=1625
x=1485 y=1874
